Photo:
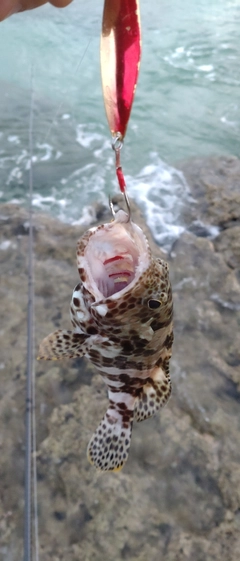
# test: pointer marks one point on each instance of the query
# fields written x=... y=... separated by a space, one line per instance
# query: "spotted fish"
x=121 y=312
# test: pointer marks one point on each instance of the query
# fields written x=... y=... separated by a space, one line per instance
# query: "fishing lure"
x=120 y=52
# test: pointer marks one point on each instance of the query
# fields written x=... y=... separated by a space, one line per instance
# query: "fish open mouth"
x=115 y=256
x=119 y=272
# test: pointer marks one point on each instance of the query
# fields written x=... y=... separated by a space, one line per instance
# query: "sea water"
x=186 y=105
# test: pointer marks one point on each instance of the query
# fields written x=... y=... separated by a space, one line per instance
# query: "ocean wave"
x=161 y=191
x=209 y=60
x=86 y=138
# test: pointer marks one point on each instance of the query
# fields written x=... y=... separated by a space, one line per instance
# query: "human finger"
x=9 y=7
x=60 y=3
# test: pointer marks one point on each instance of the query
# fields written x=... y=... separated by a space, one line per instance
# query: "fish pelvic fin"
x=63 y=344
x=154 y=395
x=109 y=446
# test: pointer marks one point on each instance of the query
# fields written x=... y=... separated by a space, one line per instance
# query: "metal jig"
x=120 y=53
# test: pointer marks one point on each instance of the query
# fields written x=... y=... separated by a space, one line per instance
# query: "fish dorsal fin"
x=109 y=446
x=63 y=344
x=154 y=394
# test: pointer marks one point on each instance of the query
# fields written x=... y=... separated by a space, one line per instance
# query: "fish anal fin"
x=154 y=395
x=63 y=344
x=109 y=446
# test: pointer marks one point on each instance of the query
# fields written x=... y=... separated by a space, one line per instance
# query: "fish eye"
x=154 y=304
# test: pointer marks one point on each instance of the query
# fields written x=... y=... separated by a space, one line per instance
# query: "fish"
x=122 y=318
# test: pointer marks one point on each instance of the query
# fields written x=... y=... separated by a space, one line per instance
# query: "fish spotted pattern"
x=121 y=312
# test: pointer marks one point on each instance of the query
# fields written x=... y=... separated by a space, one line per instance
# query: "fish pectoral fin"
x=154 y=394
x=63 y=344
x=109 y=446
x=147 y=331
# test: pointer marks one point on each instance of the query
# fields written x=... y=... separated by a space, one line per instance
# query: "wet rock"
x=228 y=244
x=215 y=186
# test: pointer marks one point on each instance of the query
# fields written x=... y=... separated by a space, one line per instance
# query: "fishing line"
x=30 y=435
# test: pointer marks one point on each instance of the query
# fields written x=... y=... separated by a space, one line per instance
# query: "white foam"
x=88 y=217
x=85 y=137
x=206 y=67
x=99 y=151
x=48 y=151
x=21 y=157
x=179 y=50
x=13 y=138
x=188 y=59
x=6 y=244
x=15 y=175
x=227 y=122
x=40 y=201
x=161 y=191
x=80 y=171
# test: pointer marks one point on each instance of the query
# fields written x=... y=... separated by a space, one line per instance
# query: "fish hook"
x=127 y=202
x=117 y=143
x=127 y=205
x=113 y=213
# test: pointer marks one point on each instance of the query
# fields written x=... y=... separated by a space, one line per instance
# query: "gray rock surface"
x=178 y=497
x=215 y=186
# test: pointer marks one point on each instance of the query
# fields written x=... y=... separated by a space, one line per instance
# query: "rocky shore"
x=178 y=497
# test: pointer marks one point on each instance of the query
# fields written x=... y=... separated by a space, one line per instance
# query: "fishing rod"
x=30 y=423
x=30 y=318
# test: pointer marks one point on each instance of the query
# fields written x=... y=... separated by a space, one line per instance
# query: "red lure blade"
x=120 y=59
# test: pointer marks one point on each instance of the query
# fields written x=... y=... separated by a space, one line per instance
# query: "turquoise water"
x=187 y=104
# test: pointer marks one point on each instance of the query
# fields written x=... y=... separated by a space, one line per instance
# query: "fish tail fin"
x=63 y=344
x=154 y=394
x=109 y=446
